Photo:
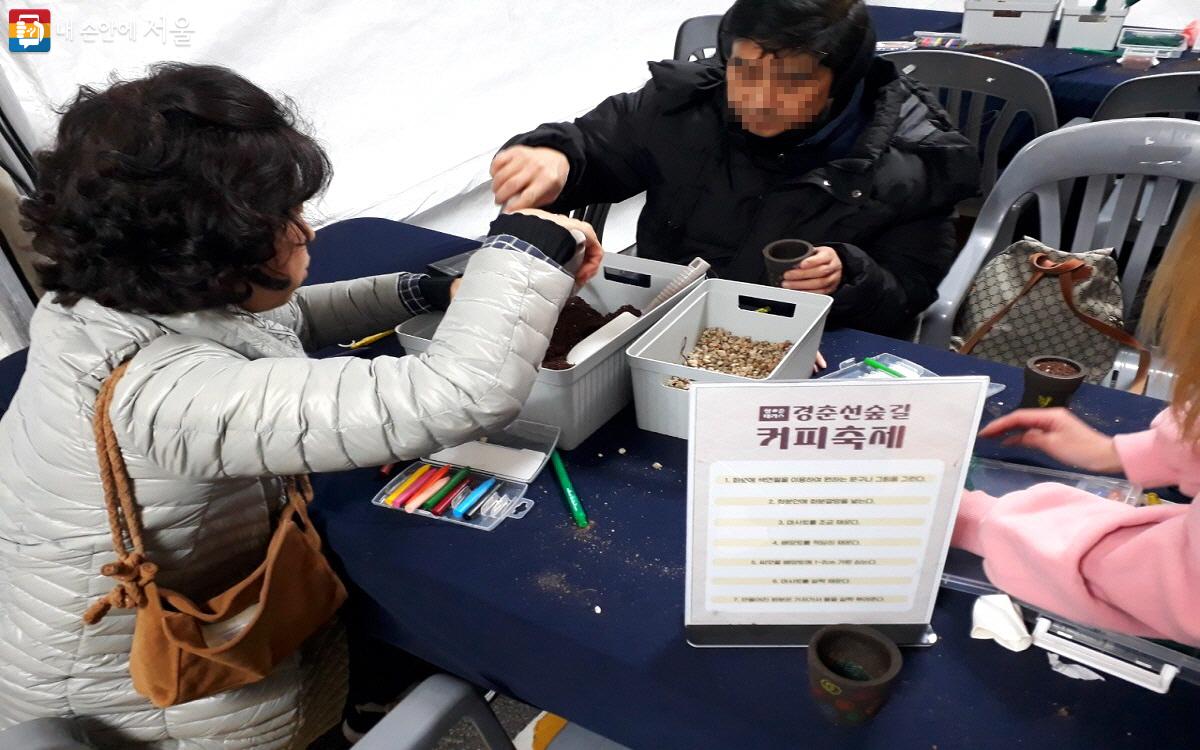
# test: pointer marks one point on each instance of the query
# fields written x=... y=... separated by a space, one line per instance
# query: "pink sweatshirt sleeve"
x=1095 y=561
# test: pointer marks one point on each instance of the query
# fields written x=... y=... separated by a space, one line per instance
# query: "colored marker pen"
x=427 y=474
x=572 y=498
x=472 y=500
x=433 y=502
x=433 y=486
x=409 y=482
x=419 y=488
x=483 y=504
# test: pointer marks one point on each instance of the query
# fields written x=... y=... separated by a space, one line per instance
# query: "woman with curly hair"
x=168 y=216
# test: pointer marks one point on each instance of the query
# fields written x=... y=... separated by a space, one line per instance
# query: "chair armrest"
x=1075 y=121
x=937 y=322
x=429 y=712
x=57 y=733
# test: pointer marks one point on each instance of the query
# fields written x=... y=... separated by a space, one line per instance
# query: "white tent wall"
x=411 y=99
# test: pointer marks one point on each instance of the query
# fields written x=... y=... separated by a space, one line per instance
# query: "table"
x=1078 y=81
x=589 y=624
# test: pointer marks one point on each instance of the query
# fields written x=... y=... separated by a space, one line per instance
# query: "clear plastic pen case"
x=500 y=468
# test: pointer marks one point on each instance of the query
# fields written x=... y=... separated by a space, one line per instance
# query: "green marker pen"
x=877 y=365
x=450 y=486
x=564 y=481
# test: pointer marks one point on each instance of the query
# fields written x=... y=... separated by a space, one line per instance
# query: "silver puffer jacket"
x=214 y=407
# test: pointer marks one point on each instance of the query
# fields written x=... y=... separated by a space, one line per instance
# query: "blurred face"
x=290 y=262
x=772 y=93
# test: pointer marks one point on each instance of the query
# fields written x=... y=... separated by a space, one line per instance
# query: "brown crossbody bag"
x=266 y=616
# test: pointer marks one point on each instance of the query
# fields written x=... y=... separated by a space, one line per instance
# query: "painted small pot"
x=850 y=672
x=782 y=255
x=1050 y=380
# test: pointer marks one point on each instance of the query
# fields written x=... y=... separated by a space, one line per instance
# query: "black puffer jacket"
x=882 y=198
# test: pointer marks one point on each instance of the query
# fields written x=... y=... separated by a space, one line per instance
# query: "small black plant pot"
x=1050 y=381
x=850 y=672
x=781 y=256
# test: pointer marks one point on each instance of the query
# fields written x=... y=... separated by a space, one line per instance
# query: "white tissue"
x=996 y=617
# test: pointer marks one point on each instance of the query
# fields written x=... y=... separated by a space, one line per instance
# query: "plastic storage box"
x=1081 y=28
x=1149 y=664
x=1025 y=23
x=851 y=369
x=760 y=312
x=1161 y=43
x=513 y=456
x=580 y=399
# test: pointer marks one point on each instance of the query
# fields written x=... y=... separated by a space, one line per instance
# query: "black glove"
x=556 y=243
x=436 y=290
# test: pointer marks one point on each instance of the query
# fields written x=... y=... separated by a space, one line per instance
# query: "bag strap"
x=1066 y=271
x=986 y=327
x=132 y=572
x=1066 y=283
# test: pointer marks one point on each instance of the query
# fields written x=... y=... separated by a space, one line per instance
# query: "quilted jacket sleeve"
x=197 y=409
x=327 y=314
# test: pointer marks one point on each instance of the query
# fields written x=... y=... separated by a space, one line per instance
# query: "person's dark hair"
x=836 y=31
x=166 y=194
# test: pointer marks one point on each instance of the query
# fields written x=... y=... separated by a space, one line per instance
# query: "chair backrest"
x=1166 y=95
x=1135 y=166
x=697 y=38
x=595 y=214
x=965 y=83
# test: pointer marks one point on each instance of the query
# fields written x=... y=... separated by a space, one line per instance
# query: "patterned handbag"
x=1032 y=299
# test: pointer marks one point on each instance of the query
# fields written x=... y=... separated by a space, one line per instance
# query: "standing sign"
x=823 y=502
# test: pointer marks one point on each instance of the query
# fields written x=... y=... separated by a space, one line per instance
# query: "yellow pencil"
x=406 y=484
x=367 y=341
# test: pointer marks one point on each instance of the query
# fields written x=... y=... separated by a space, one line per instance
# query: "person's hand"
x=1059 y=434
x=593 y=253
x=454 y=285
x=820 y=272
x=528 y=176
x=819 y=363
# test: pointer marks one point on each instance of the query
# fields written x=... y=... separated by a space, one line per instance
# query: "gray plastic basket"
x=657 y=356
x=580 y=399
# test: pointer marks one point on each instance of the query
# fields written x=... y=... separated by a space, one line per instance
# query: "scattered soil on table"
x=554 y=583
x=577 y=321
x=1057 y=368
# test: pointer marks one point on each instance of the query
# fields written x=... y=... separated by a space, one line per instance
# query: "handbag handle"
x=132 y=571
x=1066 y=271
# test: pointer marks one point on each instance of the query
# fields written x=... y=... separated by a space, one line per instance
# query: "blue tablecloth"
x=589 y=624
x=1078 y=80
x=516 y=609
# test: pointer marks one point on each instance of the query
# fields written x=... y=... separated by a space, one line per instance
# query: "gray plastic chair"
x=45 y=734
x=966 y=82
x=1166 y=95
x=440 y=702
x=428 y=712
x=1144 y=153
x=697 y=38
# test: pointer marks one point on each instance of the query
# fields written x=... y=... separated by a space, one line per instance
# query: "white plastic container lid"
x=518 y=453
x=1045 y=6
x=1116 y=9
